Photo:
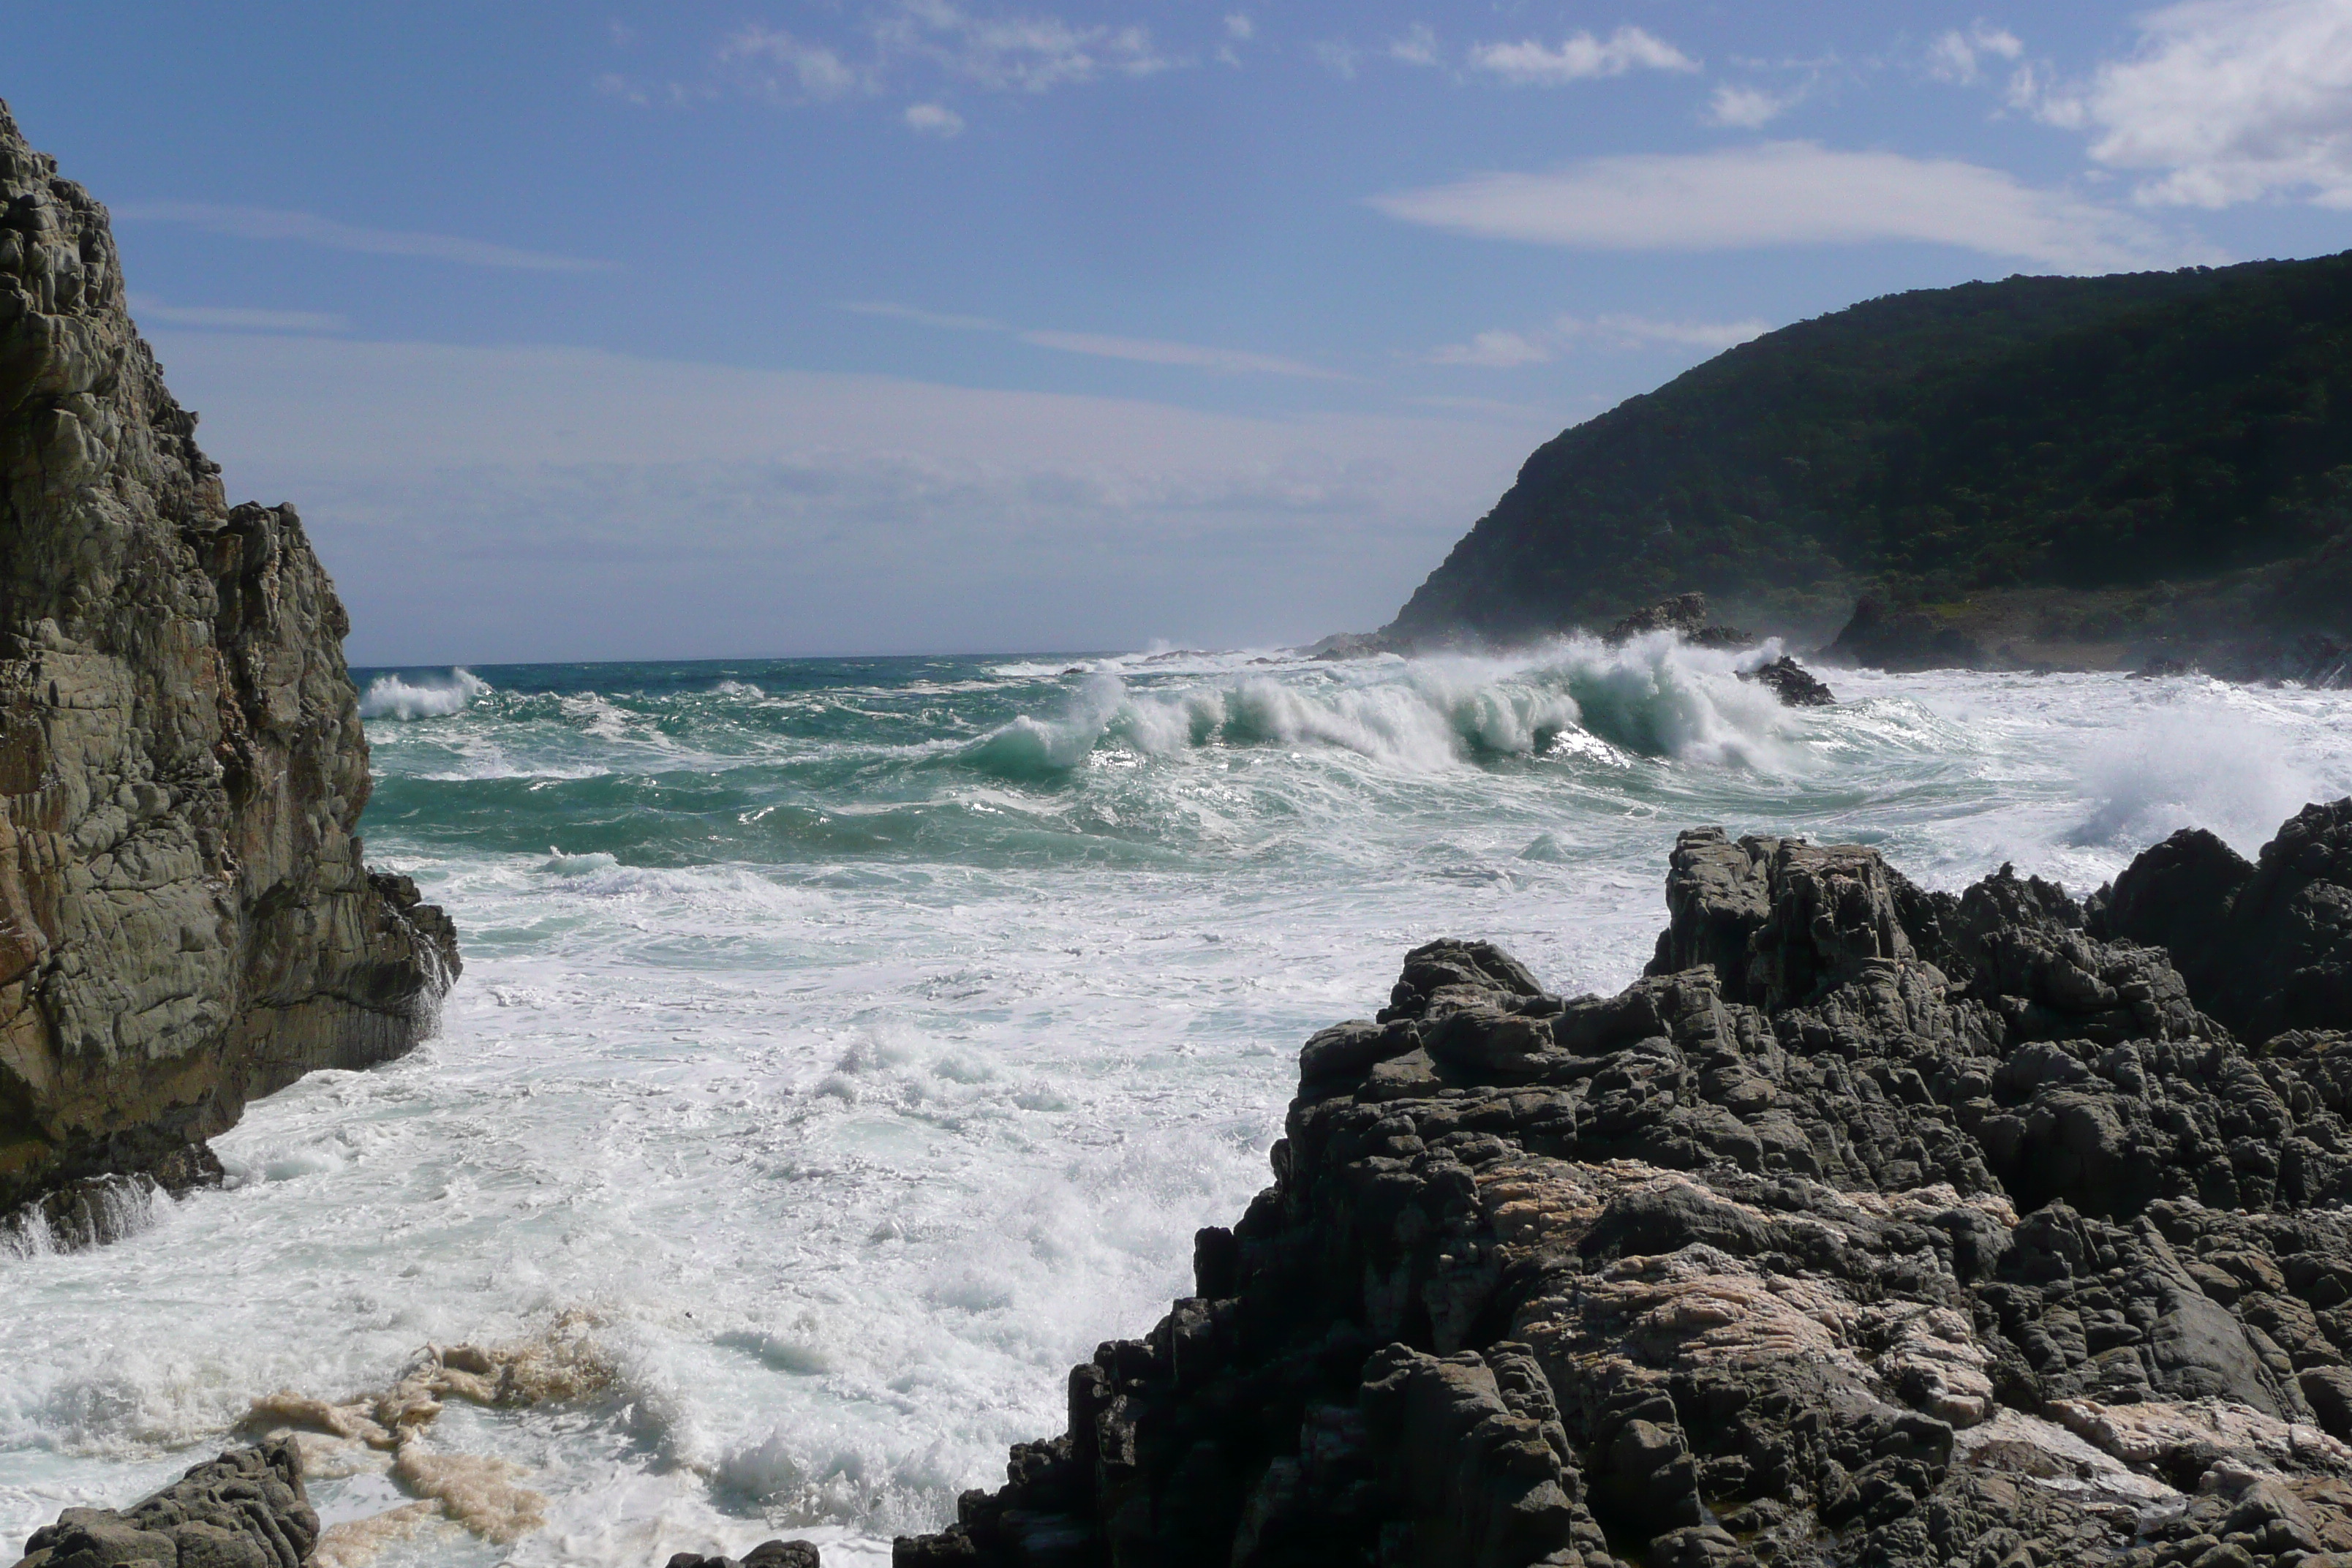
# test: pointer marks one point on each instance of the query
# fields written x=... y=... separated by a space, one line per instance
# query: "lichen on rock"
x=186 y=921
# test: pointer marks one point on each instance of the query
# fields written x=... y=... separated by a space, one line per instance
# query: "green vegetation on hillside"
x=2084 y=433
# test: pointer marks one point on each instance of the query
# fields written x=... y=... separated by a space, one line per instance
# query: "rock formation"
x=1871 y=1226
x=186 y=920
x=245 y=1509
x=1792 y=683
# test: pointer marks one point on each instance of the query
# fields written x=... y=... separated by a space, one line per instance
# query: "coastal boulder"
x=246 y=1509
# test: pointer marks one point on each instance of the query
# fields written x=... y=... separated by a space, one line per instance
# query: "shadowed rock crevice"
x=186 y=917
x=1874 y=1225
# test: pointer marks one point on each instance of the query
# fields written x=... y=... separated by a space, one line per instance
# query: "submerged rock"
x=246 y=1509
x=1871 y=1226
x=185 y=918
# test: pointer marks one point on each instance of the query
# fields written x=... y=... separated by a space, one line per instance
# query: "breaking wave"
x=393 y=696
x=1654 y=697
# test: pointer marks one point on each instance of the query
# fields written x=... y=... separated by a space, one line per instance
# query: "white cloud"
x=306 y=229
x=1493 y=351
x=235 y=319
x=1240 y=28
x=2226 y=102
x=1747 y=108
x=1788 y=193
x=472 y=504
x=1580 y=58
x=1956 y=56
x=780 y=66
x=934 y=118
x=1416 y=46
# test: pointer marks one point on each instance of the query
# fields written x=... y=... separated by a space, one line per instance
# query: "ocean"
x=845 y=1047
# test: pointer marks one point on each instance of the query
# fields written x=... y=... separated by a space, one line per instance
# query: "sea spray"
x=393 y=696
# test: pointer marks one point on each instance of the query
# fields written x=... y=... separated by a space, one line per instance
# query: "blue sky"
x=914 y=325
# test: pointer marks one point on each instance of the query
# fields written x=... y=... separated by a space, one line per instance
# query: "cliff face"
x=186 y=920
x=1873 y=1225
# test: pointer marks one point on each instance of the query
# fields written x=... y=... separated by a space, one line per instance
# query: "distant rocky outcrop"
x=186 y=919
x=1873 y=1226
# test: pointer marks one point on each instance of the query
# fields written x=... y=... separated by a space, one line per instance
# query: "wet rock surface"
x=1872 y=1224
x=245 y=1509
x=185 y=918
x=1792 y=683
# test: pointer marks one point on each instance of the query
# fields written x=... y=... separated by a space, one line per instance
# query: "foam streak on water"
x=855 y=1044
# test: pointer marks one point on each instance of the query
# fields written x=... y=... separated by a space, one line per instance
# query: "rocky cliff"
x=1873 y=1225
x=185 y=918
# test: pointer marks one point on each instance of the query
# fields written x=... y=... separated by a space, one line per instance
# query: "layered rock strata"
x=1871 y=1226
x=186 y=921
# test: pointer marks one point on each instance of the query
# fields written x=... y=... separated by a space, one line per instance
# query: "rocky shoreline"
x=1873 y=1225
x=187 y=919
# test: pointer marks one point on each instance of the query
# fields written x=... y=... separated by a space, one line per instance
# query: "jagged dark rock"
x=2266 y=947
x=1684 y=614
x=1792 y=683
x=767 y=1554
x=185 y=918
x=246 y=1509
x=1872 y=1224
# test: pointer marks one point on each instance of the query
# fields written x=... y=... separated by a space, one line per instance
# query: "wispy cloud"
x=1957 y=55
x=235 y=319
x=788 y=68
x=307 y=228
x=1626 y=331
x=1147 y=350
x=1580 y=58
x=1141 y=351
x=1417 y=46
x=934 y=119
x=1336 y=57
x=924 y=318
x=1018 y=54
x=1510 y=350
x=1790 y=193
x=1494 y=350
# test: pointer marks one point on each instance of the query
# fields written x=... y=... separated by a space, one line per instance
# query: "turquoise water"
x=851 y=1044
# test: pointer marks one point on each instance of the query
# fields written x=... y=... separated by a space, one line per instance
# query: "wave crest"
x=1654 y=697
x=391 y=697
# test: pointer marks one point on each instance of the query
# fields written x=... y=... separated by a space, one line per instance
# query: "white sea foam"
x=393 y=697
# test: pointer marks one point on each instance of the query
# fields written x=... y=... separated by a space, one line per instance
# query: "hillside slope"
x=2087 y=434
